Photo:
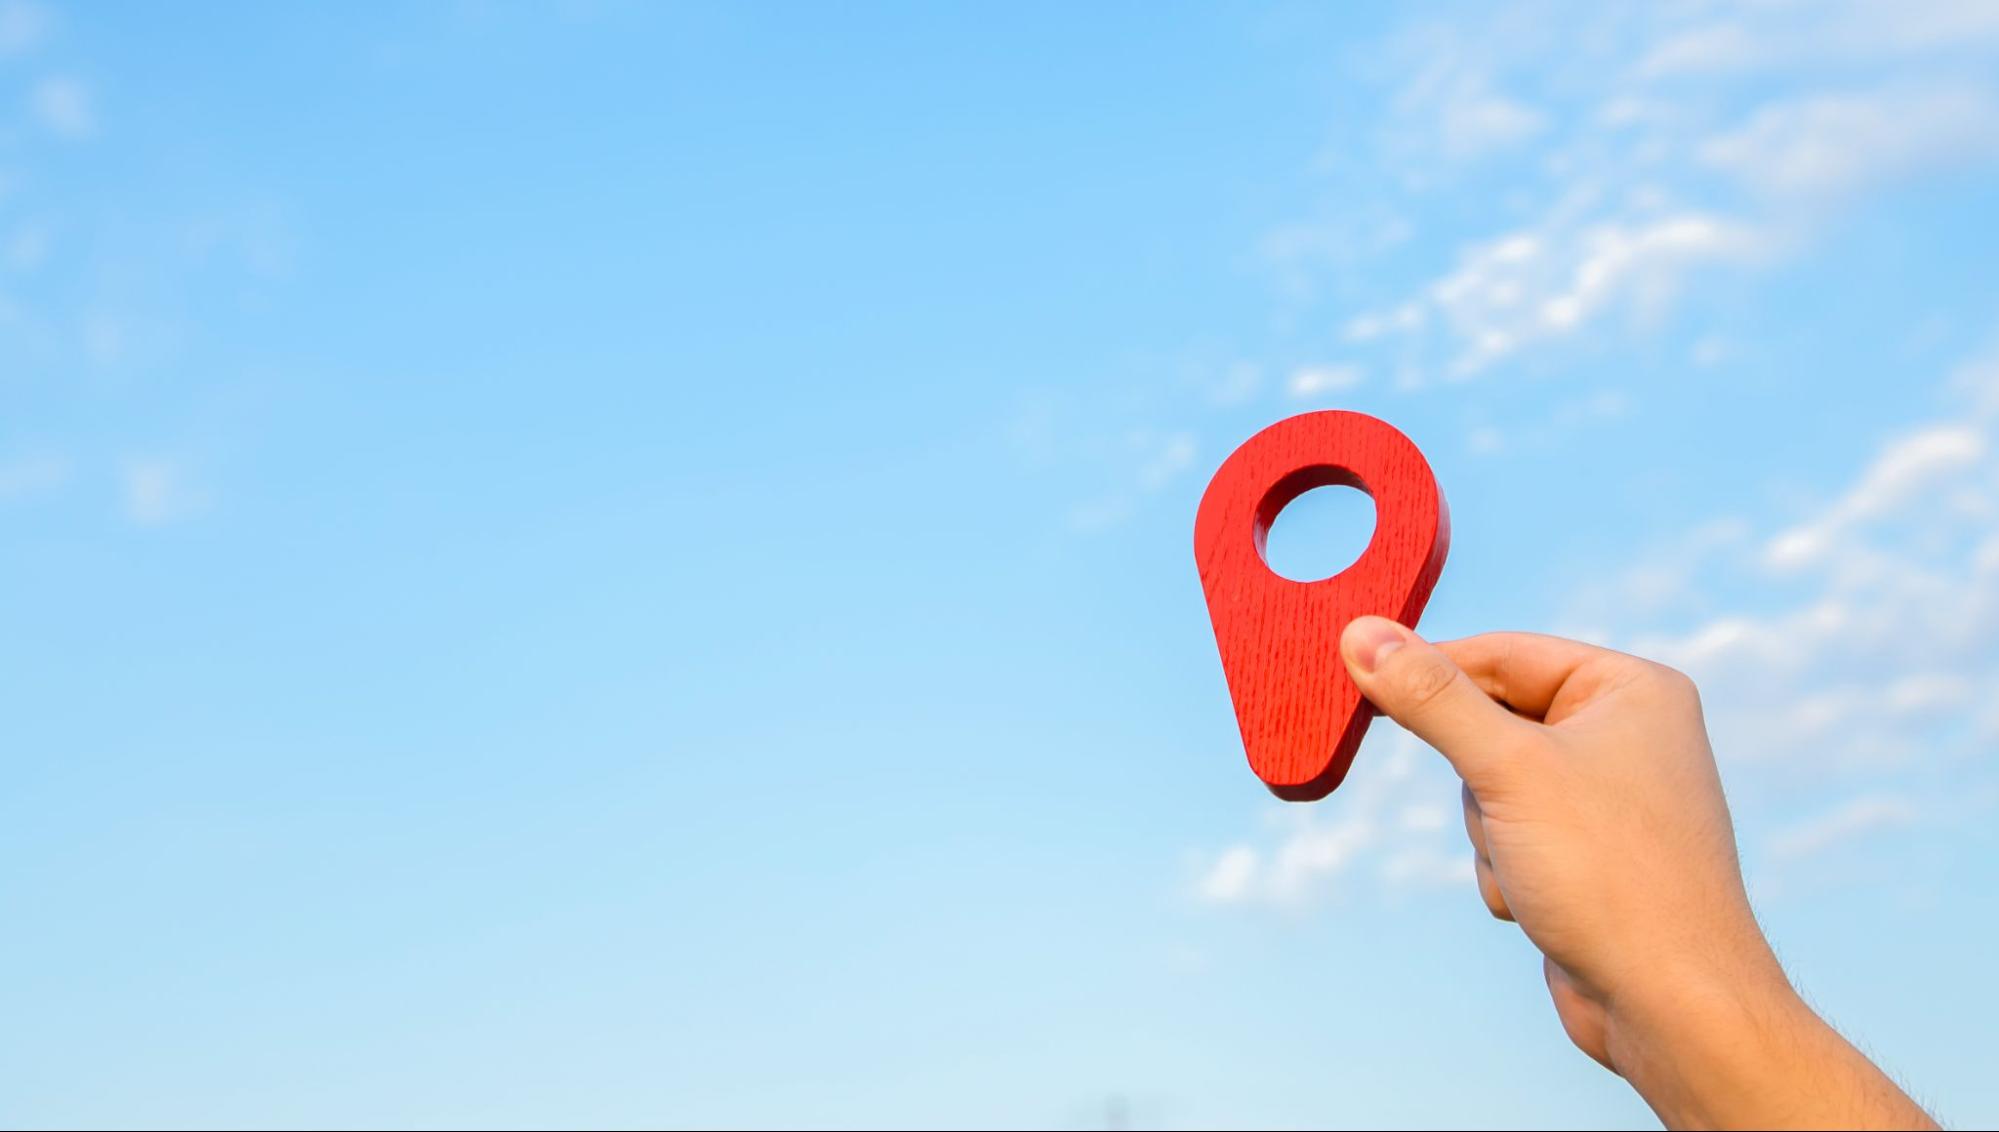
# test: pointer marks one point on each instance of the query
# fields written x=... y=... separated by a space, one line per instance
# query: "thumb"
x=1417 y=686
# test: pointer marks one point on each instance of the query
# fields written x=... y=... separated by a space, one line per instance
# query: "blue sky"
x=624 y=564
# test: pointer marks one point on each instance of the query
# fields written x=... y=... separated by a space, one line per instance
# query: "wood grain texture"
x=1300 y=714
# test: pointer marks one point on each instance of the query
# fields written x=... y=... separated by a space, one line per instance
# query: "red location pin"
x=1300 y=714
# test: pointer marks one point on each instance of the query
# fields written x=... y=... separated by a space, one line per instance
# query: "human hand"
x=1598 y=823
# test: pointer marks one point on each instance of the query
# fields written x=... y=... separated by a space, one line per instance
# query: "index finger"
x=1526 y=671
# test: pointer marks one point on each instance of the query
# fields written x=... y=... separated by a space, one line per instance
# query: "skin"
x=1598 y=823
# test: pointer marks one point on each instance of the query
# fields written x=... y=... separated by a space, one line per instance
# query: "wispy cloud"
x=1851 y=661
x=1166 y=458
x=1905 y=467
x=1830 y=145
x=64 y=106
x=157 y=492
x=1535 y=285
x=29 y=476
x=1314 y=381
x=1849 y=821
x=22 y=26
x=1452 y=102
x=1733 y=39
x=1471 y=118
x=1392 y=827
x=1147 y=461
x=1239 y=381
x=1638 y=181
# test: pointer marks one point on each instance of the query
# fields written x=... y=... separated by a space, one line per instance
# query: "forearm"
x=1747 y=1052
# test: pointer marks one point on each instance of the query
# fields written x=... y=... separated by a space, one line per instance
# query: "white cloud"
x=1903 y=468
x=1853 y=819
x=1824 y=145
x=1646 y=260
x=1451 y=102
x=158 y=492
x=1634 y=177
x=1305 y=863
x=107 y=337
x=1171 y=455
x=1311 y=381
x=1661 y=577
x=1316 y=852
x=1535 y=285
x=1753 y=37
x=1404 y=319
x=1602 y=405
x=1238 y=383
x=1101 y=513
x=1476 y=121
x=1390 y=826
x=1428 y=866
x=30 y=476
x=1977 y=383
x=1147 y=462
x=27 y=247
x=1711 y=47
x=1230 y=877
x=1845 y=657
x=1709 y=350
x=1860 y=634
x=1922 y=693
x=22 y=26
x=1424 y=816
x=64 y=106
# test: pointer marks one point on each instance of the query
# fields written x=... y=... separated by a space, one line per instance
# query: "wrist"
x=1703 y=1042
x=1734 y=1046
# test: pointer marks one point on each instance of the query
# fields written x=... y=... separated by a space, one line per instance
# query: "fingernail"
x=1369 y=640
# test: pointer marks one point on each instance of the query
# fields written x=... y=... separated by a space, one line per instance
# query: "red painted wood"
x=1300 y=714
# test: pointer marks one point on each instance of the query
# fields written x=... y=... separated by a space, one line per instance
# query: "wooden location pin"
x=1300 y=714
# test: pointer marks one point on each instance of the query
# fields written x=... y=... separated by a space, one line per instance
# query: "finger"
x=1417 y=685
x=1582 y=1017
x=1475 y=826
x=1488 y=888
x=1526 y=671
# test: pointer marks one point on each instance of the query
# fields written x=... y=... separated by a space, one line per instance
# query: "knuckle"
x=1673 y=682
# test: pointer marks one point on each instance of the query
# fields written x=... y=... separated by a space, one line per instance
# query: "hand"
x=1598 y=823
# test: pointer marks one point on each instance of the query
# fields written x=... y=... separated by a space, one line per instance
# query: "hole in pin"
x=1315 y=523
